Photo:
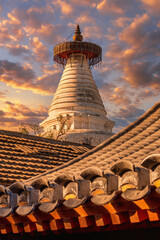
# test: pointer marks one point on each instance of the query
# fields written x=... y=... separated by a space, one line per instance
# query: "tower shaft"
x=77 y=96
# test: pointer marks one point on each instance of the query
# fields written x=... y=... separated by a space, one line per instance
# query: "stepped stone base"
x=92 y=138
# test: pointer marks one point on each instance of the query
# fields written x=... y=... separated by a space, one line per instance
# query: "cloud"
x=13 y=19
x=16 y=114
x=111 y=35
x=2 y=113
x=130 y=112
x=85 y=18
x=73 y=8
x=16 y=71
x=8 y=36
x=145 y=94
x=20 y=110
x=34 y=21
x=120 y=96
x=66 y=8
x=93 y=31
x=126 y=115
x=121 y=22
x=23 y=77
x=8 y=123
x=51 y=34
x=34 y=16
x=0 y=10
x=135 y=33
x=138 y=62
x=114 y=50
x=116 y=95
x=89 y=3
x=112 y=6
x=2 y=95
x=142 y=74
x=105 y=89
x=49 y=82
x=10 y=30
x=16 y=50
x=40 y=50
x=152 y=6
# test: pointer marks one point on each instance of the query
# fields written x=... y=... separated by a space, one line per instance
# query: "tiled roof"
x=25 y=156
x=124 y=195
x=133 y=143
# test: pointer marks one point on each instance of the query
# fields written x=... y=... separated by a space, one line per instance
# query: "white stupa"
x=77 y=98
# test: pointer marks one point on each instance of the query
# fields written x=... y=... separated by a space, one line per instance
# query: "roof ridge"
x=105 y=143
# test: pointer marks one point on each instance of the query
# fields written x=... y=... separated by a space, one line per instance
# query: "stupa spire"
x=77 y=35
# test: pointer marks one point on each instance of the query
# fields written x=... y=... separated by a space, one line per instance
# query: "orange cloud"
x=141 y=74
x=110 y=6
x=93 y=31
x=121 y=21
x=48 y=32
x=17 y=113
x=84 y=18
x=114 y=50
x=90 y=3
x=133 y=62
x=2 y=95
x=23 y=77
x=134 y=34
x=16 y=50
x=116 y=95
x=40 y=50
x=13 y=19
x=130 y=111
x=8 y=36
x=146 y=93
x=120 y=96
x=20 y=110
x=66 y=8
x=10 y=29
x=111 y=36
x=34 y=16
x=152 y=5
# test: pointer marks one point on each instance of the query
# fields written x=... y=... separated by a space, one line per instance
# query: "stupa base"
x=92 y=138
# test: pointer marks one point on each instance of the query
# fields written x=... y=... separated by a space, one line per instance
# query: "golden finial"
x=77 y=36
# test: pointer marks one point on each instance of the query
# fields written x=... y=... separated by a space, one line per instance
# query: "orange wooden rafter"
x=56 y=225
x=102 y=220
x=138 y=216
x=119 y=218
x=153 y=214
x=70 y=223
x=86 y=222
x=29 y=227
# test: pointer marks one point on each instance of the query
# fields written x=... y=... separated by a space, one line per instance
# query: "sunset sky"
x=128 y=78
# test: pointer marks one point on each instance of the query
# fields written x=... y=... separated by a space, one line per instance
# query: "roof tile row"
x=130 y=181
x=23 y=156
